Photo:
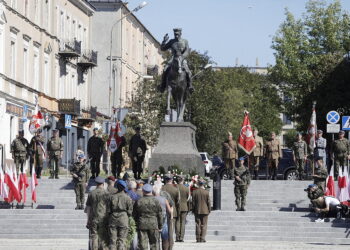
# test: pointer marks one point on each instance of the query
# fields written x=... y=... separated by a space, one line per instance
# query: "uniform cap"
x=121 y=183
x=147 y=188
x=99 y=180
x=341 y=132
x=319 y=131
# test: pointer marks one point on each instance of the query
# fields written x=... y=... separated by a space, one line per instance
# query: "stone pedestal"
x=177 y=146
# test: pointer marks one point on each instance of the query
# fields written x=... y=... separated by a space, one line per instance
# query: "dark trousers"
x=95 y=165
x=116 y=167
x=201 y=226
x=38 y=164
x=137 y=166
x=339 y=162
x=180 y=225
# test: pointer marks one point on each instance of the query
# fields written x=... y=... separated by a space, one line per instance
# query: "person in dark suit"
x=201 y=209
x=137 y=151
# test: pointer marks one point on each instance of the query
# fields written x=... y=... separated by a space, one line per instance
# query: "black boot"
x=256 y=176
x=77 y=207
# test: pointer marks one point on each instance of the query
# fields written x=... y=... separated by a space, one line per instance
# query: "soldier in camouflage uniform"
x=255 y=156
x=229 y=154
x=299 y=155
x=119 y=207
x=79 y=173
x=313 y=193
x=242 y=181
x=37 y=153
x=55 y=151
x=20 y=151
x=341 y=150
x=273 y=154
x=96 y=209
x=149 y=219
x=321 y=173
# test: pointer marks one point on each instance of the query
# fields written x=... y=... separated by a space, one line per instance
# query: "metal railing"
x=72 y=46
x=89 y=56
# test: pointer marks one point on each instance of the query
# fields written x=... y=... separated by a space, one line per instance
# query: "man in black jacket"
x=137 y=150
x=95 y=150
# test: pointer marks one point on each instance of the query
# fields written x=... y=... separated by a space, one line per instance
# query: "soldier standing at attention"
x=95 y=151
x=96 y=209
x=341 y=150
x=229 y=154
x=119 y=207
x=299 y=155
x=117 y=158
x=55 y=150
x=111 y=183
x=320 y=149
x=37 y=149
x=79 y=174
x=20 y=151
x=321 y=174
x=201 y=209
x=257 y=153
x=273 y=155
x=183 y=210
x=149 y=219
x=137 y=151
x=242 y=181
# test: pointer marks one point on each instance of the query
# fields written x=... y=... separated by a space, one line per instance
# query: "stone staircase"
x=276 y=211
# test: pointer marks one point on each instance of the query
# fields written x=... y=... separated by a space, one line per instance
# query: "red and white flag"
x=23 y=185
x=330 y=188
x=33 y=184
x=246 y=139
x=343 y=182
x=3 y=188
x=114 y=139
x=311 y=132
x=37 y=120
x=11 y=181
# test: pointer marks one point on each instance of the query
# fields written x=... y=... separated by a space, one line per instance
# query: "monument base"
x=177 y=146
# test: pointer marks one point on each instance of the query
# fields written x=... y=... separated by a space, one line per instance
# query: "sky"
x=229 y=30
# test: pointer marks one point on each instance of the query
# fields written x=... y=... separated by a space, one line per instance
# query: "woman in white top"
x=330 y=207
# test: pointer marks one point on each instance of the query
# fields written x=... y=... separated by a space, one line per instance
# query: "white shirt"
x=331 y=201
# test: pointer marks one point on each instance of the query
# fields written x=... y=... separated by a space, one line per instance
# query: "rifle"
x=79 y=173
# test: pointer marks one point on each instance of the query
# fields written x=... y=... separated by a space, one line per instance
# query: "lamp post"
x=140 y=6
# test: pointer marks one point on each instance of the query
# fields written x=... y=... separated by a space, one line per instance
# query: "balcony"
x=70 y=49
x=88 y=59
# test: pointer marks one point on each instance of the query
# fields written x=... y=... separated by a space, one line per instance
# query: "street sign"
x=333 y=117
x=345 y=123
x=67 y=121
x=333 y=128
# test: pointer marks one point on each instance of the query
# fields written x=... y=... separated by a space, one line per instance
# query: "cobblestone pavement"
x=64 y=244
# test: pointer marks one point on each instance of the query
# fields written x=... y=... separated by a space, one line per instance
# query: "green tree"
x=308 y=52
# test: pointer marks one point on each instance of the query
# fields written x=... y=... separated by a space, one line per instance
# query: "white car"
x=207 y=162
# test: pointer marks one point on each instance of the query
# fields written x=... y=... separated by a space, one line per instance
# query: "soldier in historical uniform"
x=299 y=155
x=182 y=211
x=95 y=151
x=119 y=207
x=229 y=154
x=37 y=153
x=321 y=174
x=201 y=209
x=117 y=159
x=137 y=151
x=341 y=150
x=20 y=151
x=320 y=149
x=55 y=151
x=96 y=209
x=180 y=50
x=273 y=154
x=149 y=219
x=255 y=156
x=79 y=173
x=242 y=181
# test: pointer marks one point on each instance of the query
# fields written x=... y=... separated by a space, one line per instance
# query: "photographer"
x=330 y=207
x=313 y=193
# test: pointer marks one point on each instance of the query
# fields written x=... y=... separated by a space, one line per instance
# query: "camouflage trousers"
x=339 y=162
x=98 y=238
x=299 y=164
x=79 y=189
x=20 y=162
x=240 y=194
x=148 y=236
x=54 y=165
x=118 y=237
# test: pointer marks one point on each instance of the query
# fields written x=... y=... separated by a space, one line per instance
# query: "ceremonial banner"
x=246 y=139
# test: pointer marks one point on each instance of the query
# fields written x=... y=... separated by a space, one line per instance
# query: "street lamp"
x=140 y=6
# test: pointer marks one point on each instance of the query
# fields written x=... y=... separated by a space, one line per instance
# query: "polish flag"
x=343 y=182
x=33 y=184
x=330 y=188
x=311 y=132
x=23 y=185
x=114 y=139
x=246 y=139
x=11 y=181
x=3 y=188
x=37 y=120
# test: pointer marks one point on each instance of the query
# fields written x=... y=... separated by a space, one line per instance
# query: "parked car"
x=207 y=162
x=286 y=168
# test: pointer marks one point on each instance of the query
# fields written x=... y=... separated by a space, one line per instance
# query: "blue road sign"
x=345 y=123
x=67 y=121
x=333 y=117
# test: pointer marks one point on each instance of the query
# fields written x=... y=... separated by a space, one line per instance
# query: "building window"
x=25 y=66
x=1 y=49
x=26 y=3
x=286 y=120
x=13 y=60
x=47 y=82
x=36 y=70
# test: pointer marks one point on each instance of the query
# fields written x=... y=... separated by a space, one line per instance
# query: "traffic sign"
x=67 y=121
x=333 y=117
x=333 y=128
x=345 y=123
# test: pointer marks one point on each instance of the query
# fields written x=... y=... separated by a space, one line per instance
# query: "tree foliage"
x=310 y=64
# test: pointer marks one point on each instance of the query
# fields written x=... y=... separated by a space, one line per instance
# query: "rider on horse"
x=180 y=50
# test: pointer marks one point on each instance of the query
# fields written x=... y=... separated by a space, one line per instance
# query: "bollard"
x=216 y=191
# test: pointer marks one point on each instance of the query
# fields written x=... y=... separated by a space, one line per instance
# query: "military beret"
x=99 y=180
x=319 y=131
x=341 y=132
x=112 y=178
x=121 y=183
x=242 y=158
x=147 y=188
